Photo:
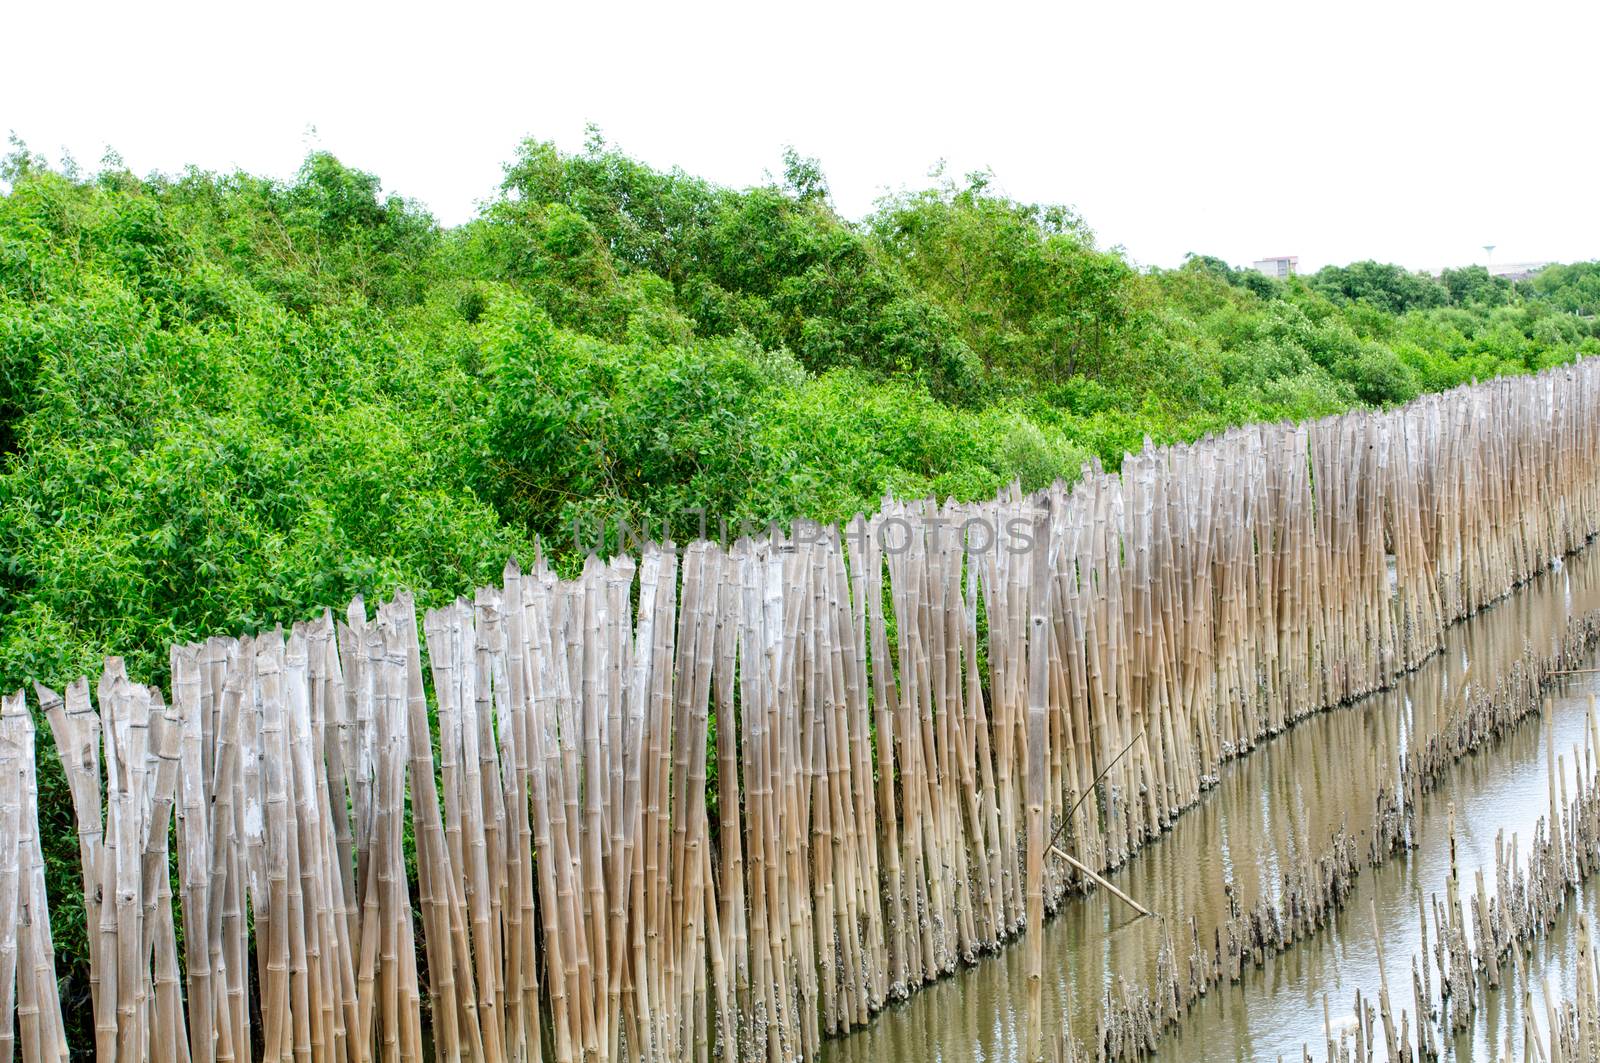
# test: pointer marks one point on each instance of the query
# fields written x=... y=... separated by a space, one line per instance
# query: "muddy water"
x=1319 y=775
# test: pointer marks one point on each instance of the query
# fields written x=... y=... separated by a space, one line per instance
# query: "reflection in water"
x=1322 y=774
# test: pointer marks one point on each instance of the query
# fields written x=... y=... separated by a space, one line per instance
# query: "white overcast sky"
x=1405 y=132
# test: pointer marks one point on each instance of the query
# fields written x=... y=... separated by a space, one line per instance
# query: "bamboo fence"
x=724 y=801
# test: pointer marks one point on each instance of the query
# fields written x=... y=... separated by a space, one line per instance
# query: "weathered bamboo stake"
x=76 y=729
x=225 y=894
x=590 y=707
x=305 y=993
x=11 y=778
x=42 y=1032
x=1038 y=678
x=1389 y=1035
x=276 y=1020
x=194 y=837
x=128 y=788
x=158 y=940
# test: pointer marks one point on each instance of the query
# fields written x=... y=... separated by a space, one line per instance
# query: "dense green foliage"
x=227 y=401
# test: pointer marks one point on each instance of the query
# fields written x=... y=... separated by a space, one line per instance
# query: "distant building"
x=1281 y=266
x=1515 y=271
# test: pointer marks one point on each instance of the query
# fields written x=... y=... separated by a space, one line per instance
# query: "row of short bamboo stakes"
x=1319 y=876
x=724 y=801
x=1490 y=954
